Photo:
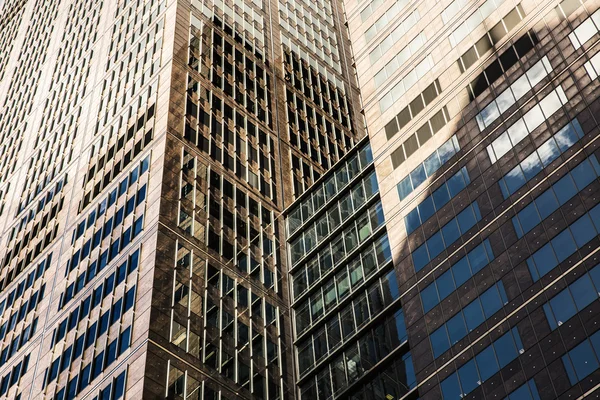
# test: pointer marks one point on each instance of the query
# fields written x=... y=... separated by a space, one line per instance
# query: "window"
x=513 y=93
x=564 y=244
x=531 y=120
x=417 y=176
x=449 y=233
x=557 y=195
x=585 y=31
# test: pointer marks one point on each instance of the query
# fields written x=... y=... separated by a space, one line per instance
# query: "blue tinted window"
x=487 y=363
x=451 y=388
x=583 y=292
x=456 y=328
x=583 y=360
x=426 y=209
x=418 y=176
x=563 y=245
x=490 y=299
x=565 y=189
x=562 y=306
x=445 y=284
x=468 y=376
x=439 y=341
x=583 y=174
x=583 y=231
x=451 y=232
x=461 y=271
x=506 y=350
x=473 y=315
x=429 y=297
x=404 y=188
x=432 y=164
x=441 y=196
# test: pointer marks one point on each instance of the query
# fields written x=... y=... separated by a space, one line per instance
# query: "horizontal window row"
x=474 y=20
x=394 y=37
x=556 y=195
x=352 y=317
x=563 y=245
x=583 y=359
x=468 y=318
x=327 y=190
x=359 y=358
x=25 y=284
x=58 y=187
x=339 y=213
x=353 y=236
x=40 y=234
x=43 y=202
x=359 y=270
x=116 y=246
x=586 y=30
x=413 y=109
x=397 y=92
x=20 y=314
x=111 y=199
x=458 y=274
x=85 y=341
x=485 y=364
x=427 y=168
x=447 y=235
x=110 y=225
x=13 y=274
x=122 y=271
x=420 y=137
x=388 y=17
x=506 y=60
x=101 y=362
x=549 y=151
x=14 y=376
x=18 y=342
x=526 y=124
x=435 y=201
x=399 y=59
x=121 y=143
x=116 y=172
x=573 y=299
x=513 y=93
x=491 y=38
x=88 y=304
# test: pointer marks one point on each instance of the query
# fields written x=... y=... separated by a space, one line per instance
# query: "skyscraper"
x=148 y=149
x=294 y=199
x=482 y=119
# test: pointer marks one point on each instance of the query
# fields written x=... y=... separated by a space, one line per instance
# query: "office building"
x=148 y=149
x=482 y=119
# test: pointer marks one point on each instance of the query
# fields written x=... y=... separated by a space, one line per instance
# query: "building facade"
x=482 y=119
x=148 y=150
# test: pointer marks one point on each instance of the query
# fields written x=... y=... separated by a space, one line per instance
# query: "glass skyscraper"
x=299 y=199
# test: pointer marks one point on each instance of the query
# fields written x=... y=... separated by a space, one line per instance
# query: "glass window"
x=583 y=292
x=583 y=361
x=473 y=315
x=456 y=328
x=439 y=341
x=451 y=387
x=469 y=377
x=506 y=350
x=487 y=363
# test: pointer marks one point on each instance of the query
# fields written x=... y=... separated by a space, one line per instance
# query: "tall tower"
x=483 y=122
x=148 y=150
